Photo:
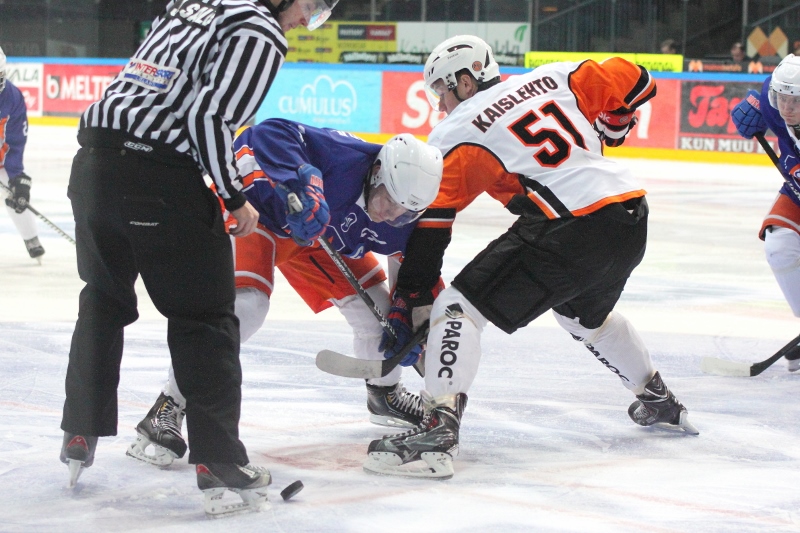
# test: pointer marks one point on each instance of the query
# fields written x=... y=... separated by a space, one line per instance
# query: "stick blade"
x=723 y=367
x=339 y=364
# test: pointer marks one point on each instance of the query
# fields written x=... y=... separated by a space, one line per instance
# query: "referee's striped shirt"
x=199 y=75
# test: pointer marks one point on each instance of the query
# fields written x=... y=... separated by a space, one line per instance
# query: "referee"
x=141 y=207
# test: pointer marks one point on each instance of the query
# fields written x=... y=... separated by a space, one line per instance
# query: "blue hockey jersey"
x=13 y=130
x=787 y=144
x=272 y=151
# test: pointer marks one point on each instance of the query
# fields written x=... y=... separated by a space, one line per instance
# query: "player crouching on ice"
x=13 y=135
x=535 y=143
x=777 y=108
x=362 y=198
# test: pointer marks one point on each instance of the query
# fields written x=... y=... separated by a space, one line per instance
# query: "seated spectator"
x=737 y=53
x=669 y=46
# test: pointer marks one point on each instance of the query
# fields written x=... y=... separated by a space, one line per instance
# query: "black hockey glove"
x=402 y=323
x=20 y=193
x=613 y=126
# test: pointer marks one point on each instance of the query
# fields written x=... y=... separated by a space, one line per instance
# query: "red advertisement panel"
x=705 y=117
x=69 y=89
x=33 y=99
x=658 y=118
x=404 y=107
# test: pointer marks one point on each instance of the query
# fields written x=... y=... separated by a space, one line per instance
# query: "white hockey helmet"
x=785 y=81
x=456 y=54
x=408 y=178
x=2 y=70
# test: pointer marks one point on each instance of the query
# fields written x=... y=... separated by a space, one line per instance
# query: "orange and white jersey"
x=532 y=135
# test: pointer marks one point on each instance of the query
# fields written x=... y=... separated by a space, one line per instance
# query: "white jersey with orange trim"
x=532 y=134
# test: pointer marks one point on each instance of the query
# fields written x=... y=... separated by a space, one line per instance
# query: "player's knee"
x=359 y=315
x=579 y=332
x=449 y=303
x=782 y=248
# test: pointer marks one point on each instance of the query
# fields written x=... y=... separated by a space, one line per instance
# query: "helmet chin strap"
x=454 y=90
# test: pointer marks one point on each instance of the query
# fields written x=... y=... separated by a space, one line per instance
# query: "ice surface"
x=546 y=441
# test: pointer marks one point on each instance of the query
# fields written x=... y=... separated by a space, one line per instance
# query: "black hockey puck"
x=291 y=490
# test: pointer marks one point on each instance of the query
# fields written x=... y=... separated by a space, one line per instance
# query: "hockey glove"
x=20 y=193
x=310 y=221
x=613 y=126
x=400 y=320
x=747 y=117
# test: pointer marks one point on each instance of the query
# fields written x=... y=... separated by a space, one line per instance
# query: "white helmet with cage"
x=410 y=172
x=785 y=81
x=2 y=70
x=454 y=55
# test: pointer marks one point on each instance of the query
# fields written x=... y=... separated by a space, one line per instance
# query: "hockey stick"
x=42 y=217
x=723 y=367
x=295 y=206
x=343 y=365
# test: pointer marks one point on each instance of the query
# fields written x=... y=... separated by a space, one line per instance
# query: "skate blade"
x=252 y=500
x=161 y=456
x=389 y=421
x=75 y=469
x=432 y=465
x=793 y=365
x=683 y=425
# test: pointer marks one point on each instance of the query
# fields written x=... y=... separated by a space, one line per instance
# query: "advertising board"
x=69 y=89
x=326 y=98
x=28 y=79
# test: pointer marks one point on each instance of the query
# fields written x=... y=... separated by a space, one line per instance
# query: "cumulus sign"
x=327 y=99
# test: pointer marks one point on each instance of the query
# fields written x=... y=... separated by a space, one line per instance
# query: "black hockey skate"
x=77 y=452
x=35 y=249
x=161 y=428
x=426 y=451
x=658 y=407
x=393 y=406
x=249 y=482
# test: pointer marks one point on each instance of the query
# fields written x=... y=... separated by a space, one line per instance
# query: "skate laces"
x=170 y=417
x=404 y=401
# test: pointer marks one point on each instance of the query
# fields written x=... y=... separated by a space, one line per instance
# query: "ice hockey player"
x=777 y=107
x=13 y=135
x=142 y=208
x=363 y=198
x=534 y=143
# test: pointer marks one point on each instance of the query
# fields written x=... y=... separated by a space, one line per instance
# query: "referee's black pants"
x=143 y=213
